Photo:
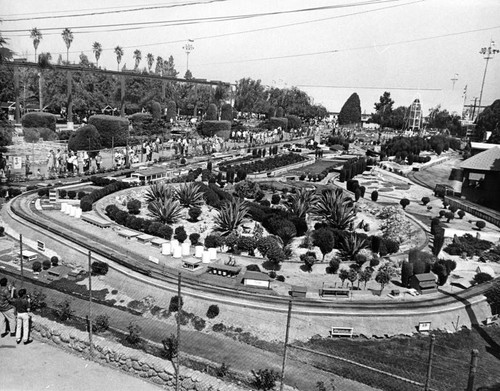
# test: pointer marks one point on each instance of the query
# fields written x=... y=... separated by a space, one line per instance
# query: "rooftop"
x=488 y=160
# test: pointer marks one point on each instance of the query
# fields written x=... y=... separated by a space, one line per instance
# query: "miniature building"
x=256 y=279
x=424 y=283
x=224 y=270
x=329 y=290
x=150 y=174
x=191 y=264
x=29 y=256
x=298 y=291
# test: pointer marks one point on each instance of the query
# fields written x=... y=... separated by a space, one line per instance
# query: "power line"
x=219 y=18
x=355 y=48
x=370 y=88
x=115 y=11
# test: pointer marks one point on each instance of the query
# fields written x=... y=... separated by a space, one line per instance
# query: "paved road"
x=39 y=366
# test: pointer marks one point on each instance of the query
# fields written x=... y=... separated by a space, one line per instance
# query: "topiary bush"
x=281 y=122
x=62 y=193
x=47 y=134
x=71 y=194
x=213 y=311
x=112 y=130
x=480 y=225
x=216 y=128
x=226 y=112
x=180 y=234
x=99 y=268
x=404 y=202
x=31 y=135
x=198 y=323
x=174 y=305
x=461 y=214
x=46 y=264
x=101 y=324
x=425 y=200
x=85 y=138
x=39 y=120
x=374 y=195
x=194 y=238
x=211 y=114
x=37 y=267
x=81 y=194
x=54 y=261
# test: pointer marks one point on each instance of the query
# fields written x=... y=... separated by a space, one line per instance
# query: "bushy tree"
x=404 y=202
x=324 y=239
x=351 y=111
x=211 y=114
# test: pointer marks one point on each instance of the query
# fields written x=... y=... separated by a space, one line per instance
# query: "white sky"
x=364 y=57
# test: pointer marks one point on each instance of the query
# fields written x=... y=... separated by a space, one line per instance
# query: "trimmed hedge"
x=216 y=128
x=109 y=127
x=87 y=201
x=226 y=112
x=39 y=120
x=276 y=122
x=139 y=118
x=294 y=121
x=84 y=138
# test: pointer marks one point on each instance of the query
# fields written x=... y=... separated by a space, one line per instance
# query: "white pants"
x=9 y=317
x=23 y=320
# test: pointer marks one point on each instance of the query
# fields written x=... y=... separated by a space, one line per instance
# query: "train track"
x=21 y=210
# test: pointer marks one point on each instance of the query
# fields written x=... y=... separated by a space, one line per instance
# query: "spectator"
x=22 y=305
x=7 y=312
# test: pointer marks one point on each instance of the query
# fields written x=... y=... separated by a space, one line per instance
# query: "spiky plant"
x=158 y=191
x=231 y=216
x=335 y=209
x=351 y=245
x=189 y=195
x=166 y=211
x=302 y=202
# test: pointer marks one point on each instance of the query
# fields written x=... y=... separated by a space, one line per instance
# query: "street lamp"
x=188 y=48
x=488 y=53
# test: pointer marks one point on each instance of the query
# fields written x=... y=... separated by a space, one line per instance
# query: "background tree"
x=5 y=52
x=383 y=278
x=67 y=36
x=383 y=111
x=36 y=36
x=351 y=111
x=97 y=49
x=489 y=121
x=150 y=60
x=324 y=239
x=119 y=55
x=137 y=58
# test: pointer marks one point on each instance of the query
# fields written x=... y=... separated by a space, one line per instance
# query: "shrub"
x=170 y=347
x=276 y=122
x=479 y=278
x=265 y=379
x=71 y=194
x=333 y=266
x=216 y=128
x=392 y=246
x=212 y=311
x=198 y=323
x=449 y=216
x=404 y=202
x=280 y=278
x=194 y=238
x=461 y=214
x=165 y=232
x=85 y=138
x=62 y=193
x=112 y=130
x=37 y=267
x=31 y=135
x=134 y=207
x=180 y=234
x=46 y=264
x=226 y=112
x=134 y=332
x=213 y=241
x=63 y=311
x=174 y=305
x=154 y=228
x=81 y=194
x=47 y=134
x=309 y=259
x=468 y=244
x=219 y=327
x=275 y=199
x=43 y=192
x=374 y=195
x=374 y=262
x=480 y=225
x=99 y=268
x=38 y=300
x=194 y=213
x=101 y=323
x=54 y=261
x=39 y=120
x=425 y=200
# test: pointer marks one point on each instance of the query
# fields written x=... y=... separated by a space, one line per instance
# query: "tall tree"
x=150 y=59
x=159 y=65
x=97 y=49
x=5 y=53
x=119 y=55
x=489 y=121
x=383 y=110
x=36 y=36
x=68 y=38
x=351 y=111
x=137 y=58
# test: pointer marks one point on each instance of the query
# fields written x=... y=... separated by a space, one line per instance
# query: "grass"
x=315 y=168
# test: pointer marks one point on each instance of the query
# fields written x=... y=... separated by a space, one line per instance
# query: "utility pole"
x=91 y=352
x=473 y=369
x=179 y=304
x=286 y=343
x=21 y=253
x=454 y=80
x=488 y=53
x=474 y=108
x=429 y=364
x=188 y=48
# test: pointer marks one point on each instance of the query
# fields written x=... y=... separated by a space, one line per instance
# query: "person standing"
x=27 y=166
x=7 y=311
x=22 y=305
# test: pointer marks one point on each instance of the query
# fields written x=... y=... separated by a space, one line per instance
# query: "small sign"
x=154 y=259
x=17 y=162
x=41 y=245
x=424 y=326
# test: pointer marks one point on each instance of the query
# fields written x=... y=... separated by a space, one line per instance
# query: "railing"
x=482 y=212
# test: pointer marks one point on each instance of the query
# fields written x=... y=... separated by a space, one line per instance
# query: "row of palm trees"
x=67 y=35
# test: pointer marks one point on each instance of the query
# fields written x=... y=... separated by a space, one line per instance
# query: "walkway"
x=39 y=366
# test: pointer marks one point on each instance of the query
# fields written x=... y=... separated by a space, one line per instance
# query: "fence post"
x=289 y=315
x=91 y=352
x=472 y=370
x=429 y=364
x=22 y=260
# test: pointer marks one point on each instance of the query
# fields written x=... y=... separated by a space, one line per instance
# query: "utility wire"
x=369 y=88
x=115 y=11
x=219 y=18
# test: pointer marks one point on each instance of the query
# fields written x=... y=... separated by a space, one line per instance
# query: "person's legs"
x=23 y=318
x=3 y=325
x=10 y=316
x=18 y=327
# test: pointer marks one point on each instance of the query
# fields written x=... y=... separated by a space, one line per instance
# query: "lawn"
x=314 y=169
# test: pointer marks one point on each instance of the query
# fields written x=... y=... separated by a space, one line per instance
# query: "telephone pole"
x=188 y=48
x=488 y=54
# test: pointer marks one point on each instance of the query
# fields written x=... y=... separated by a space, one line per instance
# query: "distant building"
x=481 y=178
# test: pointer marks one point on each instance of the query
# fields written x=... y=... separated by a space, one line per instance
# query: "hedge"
x=86 y=138
x=216 y=128
x=39 y=120
x=109 y=127
x=47 y=134
x=87 y=201
x=211 y=114
x=294 y=122
x=139 y=118
x=279 y=122
x=171 y=110
x=226 y=112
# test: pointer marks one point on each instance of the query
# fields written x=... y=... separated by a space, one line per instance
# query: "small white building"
x=256 y=279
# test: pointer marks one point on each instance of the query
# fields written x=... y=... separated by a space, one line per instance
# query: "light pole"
x=188 y=48
x=488 y=53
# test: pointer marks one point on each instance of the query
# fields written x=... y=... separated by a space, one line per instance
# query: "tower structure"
x=413 y=116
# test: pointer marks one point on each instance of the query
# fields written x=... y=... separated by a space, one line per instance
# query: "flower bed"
x=270 y=163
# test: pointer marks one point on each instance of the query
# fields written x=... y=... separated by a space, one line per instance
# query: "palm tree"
x=97 y=49
x=335 y=209
x=150 y=59
x=302 y=202
x=158 y=191
x=231 y=216
x=119 y=55
x=5 y=53
x=351 y=245
x=36 y=36
x=189 y=195
x=137 y=58
x=68 y=38
x=166 y=211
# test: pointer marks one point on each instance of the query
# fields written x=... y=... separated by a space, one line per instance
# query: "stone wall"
x=132 y=361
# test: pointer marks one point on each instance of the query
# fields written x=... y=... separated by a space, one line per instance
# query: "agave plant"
x=158 y=191
x=166 y=211
x=189 y=195
x=351 y=245
x=335 y=209
x=231 y=216
x=302 y=202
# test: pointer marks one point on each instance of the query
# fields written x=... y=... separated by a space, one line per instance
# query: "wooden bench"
x=97 y=221
x=341 y=332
